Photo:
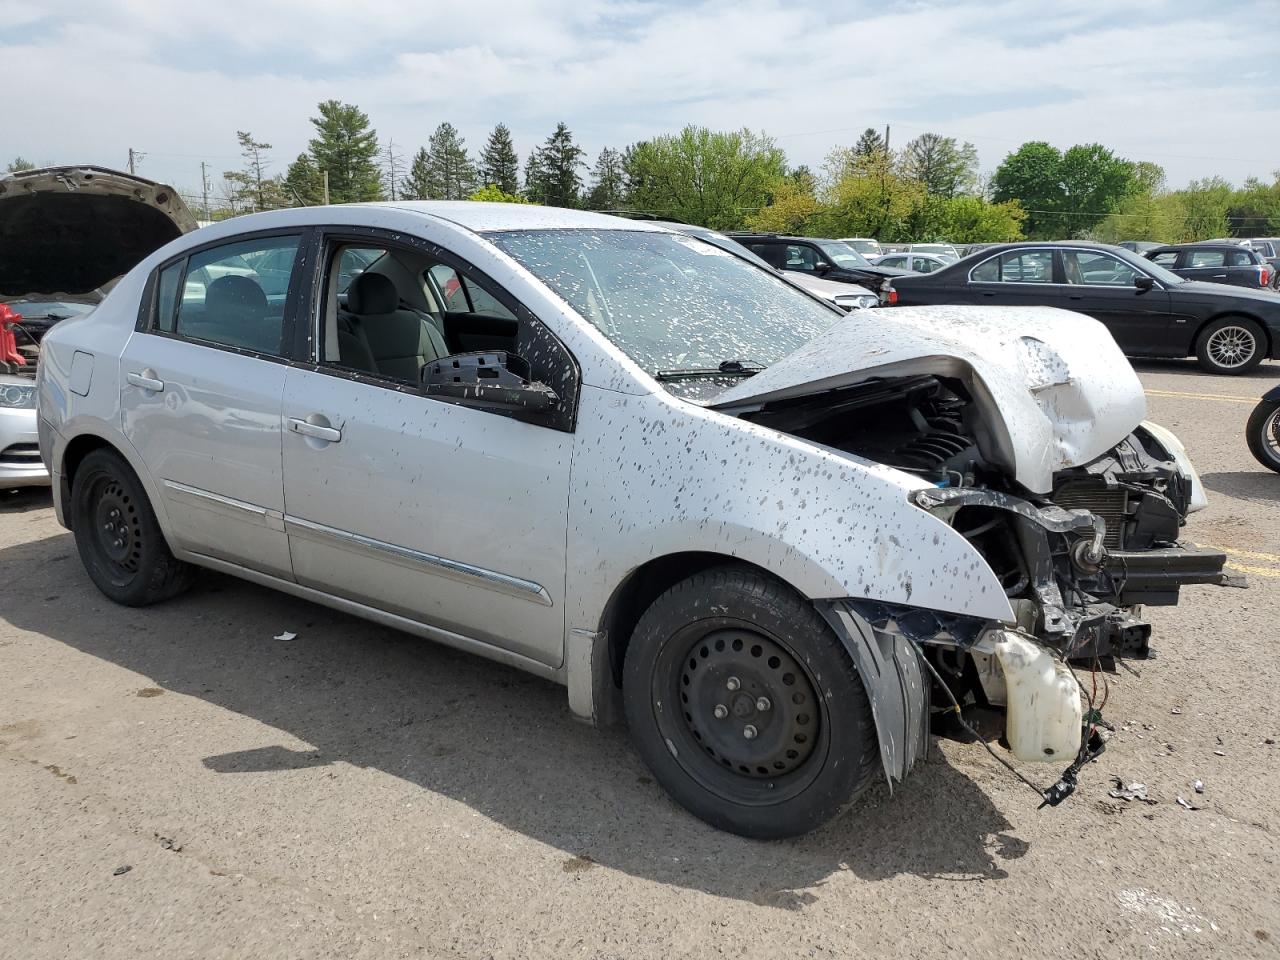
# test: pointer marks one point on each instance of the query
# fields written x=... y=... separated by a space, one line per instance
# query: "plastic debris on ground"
x=1132 y=791
x=285 y=636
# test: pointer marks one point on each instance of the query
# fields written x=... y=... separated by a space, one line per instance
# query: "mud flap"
x=893 y=674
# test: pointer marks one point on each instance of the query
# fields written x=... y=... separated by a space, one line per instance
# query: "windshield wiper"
x=727 y=368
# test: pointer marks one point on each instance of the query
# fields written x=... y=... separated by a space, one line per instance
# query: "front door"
x=444 y=513
x=1104 y=287
x=201 y=384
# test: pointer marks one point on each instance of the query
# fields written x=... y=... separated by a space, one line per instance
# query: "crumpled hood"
x=72 y=230
x=1053 y=388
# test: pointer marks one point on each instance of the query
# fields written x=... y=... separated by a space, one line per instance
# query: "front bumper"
x=20 y=464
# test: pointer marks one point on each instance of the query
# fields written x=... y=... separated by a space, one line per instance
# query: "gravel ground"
x=360 y=793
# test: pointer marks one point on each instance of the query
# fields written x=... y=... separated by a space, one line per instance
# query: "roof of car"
x=1201 y=245
x=487 y=217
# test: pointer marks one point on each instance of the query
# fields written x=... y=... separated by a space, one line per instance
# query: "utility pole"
x=135 y=158
x=204 y=186
x=325 y=173
x=886 y=138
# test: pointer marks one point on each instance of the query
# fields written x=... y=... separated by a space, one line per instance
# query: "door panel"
x=1102 y=286
x=448 y=515
x=210 y=436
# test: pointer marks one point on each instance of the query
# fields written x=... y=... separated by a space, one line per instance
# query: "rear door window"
x=234 y=294
x=1207 y=258
x=1031 y=266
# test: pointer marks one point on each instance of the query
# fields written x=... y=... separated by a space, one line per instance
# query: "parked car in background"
x=618 y=458
x=1229 y=263
x=866 y=246
x=66 y=233
x=1269 y=249
x=846 y=296
x=1139 y=246
x=1150 y=311
x=914 y=262
x=944 y=250
x=829 y=259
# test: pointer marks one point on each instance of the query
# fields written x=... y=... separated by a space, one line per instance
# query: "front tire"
x=1263 y=434
x=118 y=537
x=1231 y=345
x=746 y=707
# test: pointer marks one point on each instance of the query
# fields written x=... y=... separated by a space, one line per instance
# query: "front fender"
x=654 y=476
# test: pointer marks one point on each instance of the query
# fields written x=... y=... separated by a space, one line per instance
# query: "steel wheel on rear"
x=117 y=530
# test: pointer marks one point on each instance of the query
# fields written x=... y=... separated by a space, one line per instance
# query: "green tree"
x=803 y=180
x=1031 y=175
x=491 y=193
x=499 y=163
x=346 y=148
x=1255 y=209
x=252 y=188
x=1095 y=182
x=303 y=184
x=943 y=167
x=608 y=182
x=450 y=174
x=866 y=197
x=870 y=144
x=417 y=184
x=1204 y=205
x=18 y=164
x=973 y=220
x=790 y=209
x=711 y=178
x=552 y=174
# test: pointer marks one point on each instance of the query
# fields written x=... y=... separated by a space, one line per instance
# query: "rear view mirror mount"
x=488 y=379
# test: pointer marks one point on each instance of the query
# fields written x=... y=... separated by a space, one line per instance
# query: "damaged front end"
x=1027 y=436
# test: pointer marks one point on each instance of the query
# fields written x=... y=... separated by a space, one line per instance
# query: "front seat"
x=400 y=341
x=235 y=313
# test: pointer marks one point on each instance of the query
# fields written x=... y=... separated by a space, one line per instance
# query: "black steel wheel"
x=1263 y=434
x=745 y=705
x=117 y=535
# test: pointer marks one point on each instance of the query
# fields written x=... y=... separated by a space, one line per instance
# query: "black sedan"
x=1150 y=311
x=1214 y=263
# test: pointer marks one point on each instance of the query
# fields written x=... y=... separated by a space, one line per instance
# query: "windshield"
x=49 y=309
x=842 y=255
x=669 y=301
x=1148 y=266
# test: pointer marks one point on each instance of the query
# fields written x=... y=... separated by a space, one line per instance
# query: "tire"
x=119 y=540
x=1263 y=434
x=1231 y=345
x=719 y=645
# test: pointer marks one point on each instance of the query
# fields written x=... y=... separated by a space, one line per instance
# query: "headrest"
x=235 y=293
x=372 y=293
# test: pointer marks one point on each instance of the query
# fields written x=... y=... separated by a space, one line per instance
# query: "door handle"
x=1219 y=276
x=316 y=431
x=146 y=380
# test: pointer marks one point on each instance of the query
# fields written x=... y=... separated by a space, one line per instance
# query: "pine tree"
x=551 y=175
x=870 y=143
x=607 y=182
x=346 y=149
x=452 y=175
x=499 y=162
x=303 y=184
x=417 y=185
x=252 y=188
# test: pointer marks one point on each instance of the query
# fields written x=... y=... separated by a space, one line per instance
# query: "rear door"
x=1209 y=264
x=1103 y=286
x=1018 y=278
x=203 y=378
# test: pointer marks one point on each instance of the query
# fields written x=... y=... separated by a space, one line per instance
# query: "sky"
x=1191 y=85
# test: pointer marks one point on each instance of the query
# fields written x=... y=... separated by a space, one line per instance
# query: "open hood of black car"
x=72 y=230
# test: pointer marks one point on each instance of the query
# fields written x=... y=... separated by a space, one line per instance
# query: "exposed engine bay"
x=1075 y=562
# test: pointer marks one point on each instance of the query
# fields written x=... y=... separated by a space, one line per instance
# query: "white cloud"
x=1193 y=93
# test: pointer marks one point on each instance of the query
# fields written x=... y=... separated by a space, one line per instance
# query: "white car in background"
x=626 y=460
x=915 y=262
x=65 y=234
x=864 y=245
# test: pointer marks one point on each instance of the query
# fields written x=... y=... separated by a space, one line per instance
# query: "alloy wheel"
x=1231 y=346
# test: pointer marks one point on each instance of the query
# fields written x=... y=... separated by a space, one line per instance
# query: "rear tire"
x=118 y=537
x=746 y=707
x=1231 y=345
x=1263 y=434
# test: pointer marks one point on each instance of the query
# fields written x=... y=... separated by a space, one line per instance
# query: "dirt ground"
x=359 y=793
